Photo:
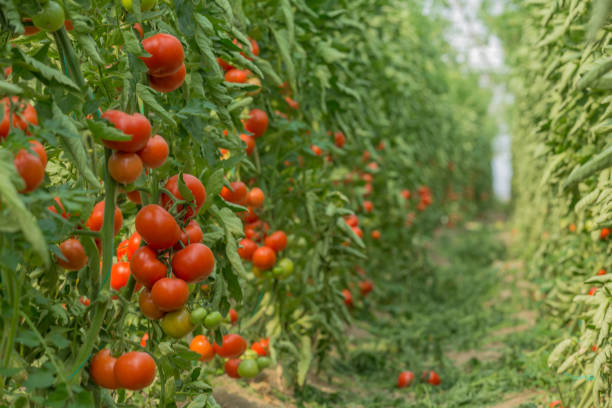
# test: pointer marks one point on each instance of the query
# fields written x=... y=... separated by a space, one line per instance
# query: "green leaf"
x=6 y=88
x=88 y=45
x=214 y=184
x=305 y=360
x=43 y=69
x=288 y=13
x=283 y=47
x=10 y=198
x=269 y=72
x=600 y=69
x=599 y=162
x=103 y=131
x=145 y=93
x=27 y=338
x=39 y=379
x=342 y=225
x=132 y=44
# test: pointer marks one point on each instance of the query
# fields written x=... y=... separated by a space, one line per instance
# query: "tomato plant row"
x=182 y=179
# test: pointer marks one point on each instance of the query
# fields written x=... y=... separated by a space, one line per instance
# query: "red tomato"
x=145 y=266
x=264 y=258
x=133 y=244
x=135 y=370
x=125 y=168
x=339 y=139
x=194 y=185
x=122 y=249
x=170 y=82
x=135 y=125
x=246 y=249
x=592 y=291
x=232 y=346
x=255 y=197
x=406 y=194
x=143 y=340
x=431 y=377
x=352 y=220
x=376 y=234
x=191 y=235
x=155 y=152
x=120 y=274
x=348 y=297
x=233 y=316
x=167 y=54
x=38 y=148
x=366 y=287
x=25 y=110
x=237 y=194
x=249 y=215
x=292 y=104
x=148 y=307
x=257 y=123
x=249 y=141
x=224 y=65
x=316 y=150
x=254 y=47
x=170 y=294
x=231 y=367
x=368 y=206
x=85 y=301
x=102 y=369
x=157 y=227
x=30 y=168
x=404 y=379
x=236 y=76
x=73 y=251
x=357 y=231
x=202 y=346
x=277 y=241
x=134 y=196
x=194 y=263
x=605 y=232
x=555 y=404
x=61 y=207
x=602 y=272
x=138 y=29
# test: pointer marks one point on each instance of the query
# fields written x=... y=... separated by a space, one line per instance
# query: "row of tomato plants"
x=175 y=189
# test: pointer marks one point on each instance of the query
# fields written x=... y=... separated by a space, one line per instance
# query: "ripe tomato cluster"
x=405 y=378
x=134 y=370
x=167 y=62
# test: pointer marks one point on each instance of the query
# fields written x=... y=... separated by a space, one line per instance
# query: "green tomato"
x=263 y=362
x=145 y=5
x=286 y=266
x=213 y=320
x=50 y=18
x=198 y=315
x=248 y=368
x=177 y=324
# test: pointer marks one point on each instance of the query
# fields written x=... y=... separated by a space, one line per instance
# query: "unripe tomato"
x=177 y=324
x=148 y=307
x=39 y=149
x=255 y=197
x=237 y=194
x=231 y=367
x=167 y=54
x=348 y=297
x=30 y=168
x=145 y=5
x=213 y=320
x=246 y=249
x=233 y=316
x=257 y=272
x=257 y=123
x=170 y=82
x=191 y=235
x=102 y=369
x=135 y=125
x=249 y=141
x=120 y=274
x=264 y=258
x=194 y=263
x=255 y=82
x=135 y=370
x=232 y=346
x=50 y=18
x=194 y=185
x=404 y=379
x=236 y=76
x=202 y=346
x=155 y=152
x=157 y=227
x=26 y=111
x=277 y=241
x=170 y=294
x=75 y=255
x=197 y=316
x=124 y=168
x=263 y=362
x=248 y=368
x=145 y=266
x=284 y=268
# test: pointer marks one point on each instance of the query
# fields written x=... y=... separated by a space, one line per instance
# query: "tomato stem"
x=13 y=289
